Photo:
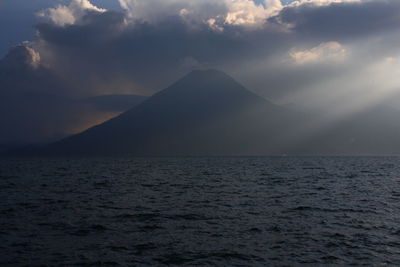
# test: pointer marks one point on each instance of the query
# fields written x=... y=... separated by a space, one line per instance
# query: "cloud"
x=69 y=14
x=325 y=52
x=342 y=21
x=190 y=63
x=249 y=13
x=21 y=55
x=116 y=52
x=219 y=12
x=321 y=2
x=238 y=12
x=103 y=52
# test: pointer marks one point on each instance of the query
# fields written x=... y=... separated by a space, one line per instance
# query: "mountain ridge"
x=208 y=113
x=200 y=110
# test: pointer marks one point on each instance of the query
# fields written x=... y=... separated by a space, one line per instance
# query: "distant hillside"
x=209 y=113
x=204 y=113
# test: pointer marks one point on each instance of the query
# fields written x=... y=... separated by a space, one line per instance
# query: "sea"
x=200 y=211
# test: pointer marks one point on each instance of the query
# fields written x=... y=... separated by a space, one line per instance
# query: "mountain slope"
x=37 y=106
x=114 y=103
x=204 y=113
x=208 y=113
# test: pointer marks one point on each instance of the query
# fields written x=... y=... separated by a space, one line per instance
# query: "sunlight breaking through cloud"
x=68 y=14
x=325 y=52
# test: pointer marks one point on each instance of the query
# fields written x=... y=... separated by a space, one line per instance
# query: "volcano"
x=204 y=113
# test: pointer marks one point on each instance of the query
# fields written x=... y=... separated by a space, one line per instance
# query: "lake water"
x=200 y=211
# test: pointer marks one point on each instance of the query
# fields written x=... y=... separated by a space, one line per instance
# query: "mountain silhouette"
x=208 y=113
x=204 y=113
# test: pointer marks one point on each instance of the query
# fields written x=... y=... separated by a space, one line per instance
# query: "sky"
x=22 y=15
x=339 y=56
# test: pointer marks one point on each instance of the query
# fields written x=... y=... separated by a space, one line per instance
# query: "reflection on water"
x=200 y=211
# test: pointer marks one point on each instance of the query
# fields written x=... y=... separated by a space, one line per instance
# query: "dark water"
x=200 y=211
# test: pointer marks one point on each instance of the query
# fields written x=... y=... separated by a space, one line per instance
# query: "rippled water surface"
x=200 y=211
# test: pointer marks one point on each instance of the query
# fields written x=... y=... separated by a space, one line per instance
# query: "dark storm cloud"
x=101 y=44
x=120 y=56
x=343 y=21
